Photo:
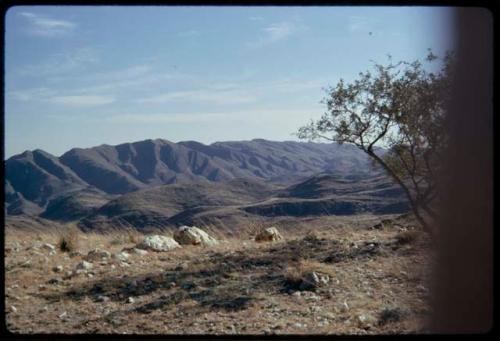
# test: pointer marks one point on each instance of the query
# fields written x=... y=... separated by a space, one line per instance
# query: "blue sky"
x=83 y=76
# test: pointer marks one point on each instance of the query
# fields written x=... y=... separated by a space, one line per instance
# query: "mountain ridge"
x=39 y=177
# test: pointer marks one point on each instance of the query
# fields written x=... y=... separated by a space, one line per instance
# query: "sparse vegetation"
x=69 y=240
x=232 y=287
x=407 y=237
x=390 y=315
x=400 y=107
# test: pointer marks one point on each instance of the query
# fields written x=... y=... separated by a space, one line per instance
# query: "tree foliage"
x=400 y=107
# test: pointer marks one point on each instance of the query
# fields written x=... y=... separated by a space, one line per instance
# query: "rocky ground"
x=348 y=279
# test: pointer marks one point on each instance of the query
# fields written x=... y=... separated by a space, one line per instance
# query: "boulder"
x=139 y=252
x=365 y=321
x=49 y=247
x=191 y=235
x=270 y=234
x=121 y=256
x=58 y=268
x=158 y=243
x=96 y=255
x=312 y=280
x=83 y=265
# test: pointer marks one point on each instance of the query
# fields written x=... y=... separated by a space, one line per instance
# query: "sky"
x=82 y=76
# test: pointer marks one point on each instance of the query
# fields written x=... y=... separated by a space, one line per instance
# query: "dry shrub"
x=126 y=236
x=294 y=273
x=407 y=237
x=390 y=315
x=255 y=227
x=69 y=240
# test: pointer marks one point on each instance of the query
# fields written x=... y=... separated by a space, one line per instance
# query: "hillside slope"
x=35 y=178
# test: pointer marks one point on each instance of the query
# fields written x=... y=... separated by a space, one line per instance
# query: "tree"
x=399 y=107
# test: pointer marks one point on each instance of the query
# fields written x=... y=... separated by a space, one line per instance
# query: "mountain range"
x=159 y=183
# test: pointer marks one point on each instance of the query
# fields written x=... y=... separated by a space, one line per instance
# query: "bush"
x=127 y=236
x=69 y=241
x=407 y=237
x=389 y=315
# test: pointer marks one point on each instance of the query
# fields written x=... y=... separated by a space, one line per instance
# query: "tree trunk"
x=414 y=206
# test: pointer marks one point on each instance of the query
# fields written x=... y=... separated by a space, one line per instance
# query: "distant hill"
x=235 y=203
x=36 y=181
x=176 y=203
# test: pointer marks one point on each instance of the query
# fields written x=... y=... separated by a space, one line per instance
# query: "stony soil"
x=377 y=284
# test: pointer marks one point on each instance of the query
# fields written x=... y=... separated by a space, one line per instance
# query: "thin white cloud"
x=189 y=33
x=167 y=118
x=52 y=96
x=61 y=63
x=358 y=23
x=365 y=24
x=279 y=31
x=111 y=81
x=212 y=96
x=44 y=26
x=82 y=100
x=276 y=32
x=256 y=18
x=292 y=85
x=28 y=95
x=262 y=114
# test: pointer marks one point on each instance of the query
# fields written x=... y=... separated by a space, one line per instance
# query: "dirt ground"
x=376 y=282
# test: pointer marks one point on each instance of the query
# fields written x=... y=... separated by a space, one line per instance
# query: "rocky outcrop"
x=313 y=280
x=270 y=234
x=158 y=243
x=192 y=235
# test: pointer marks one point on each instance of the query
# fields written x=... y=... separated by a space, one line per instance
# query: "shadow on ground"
x=228 y=282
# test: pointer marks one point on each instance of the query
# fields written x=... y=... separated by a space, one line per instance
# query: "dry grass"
x=237 y=283
x=407 y=237
x=295 y=272
x=123 y=236
x=69 y=240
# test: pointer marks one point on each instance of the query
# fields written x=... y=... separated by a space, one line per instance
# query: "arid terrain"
x=373 y=280
x=348 y=258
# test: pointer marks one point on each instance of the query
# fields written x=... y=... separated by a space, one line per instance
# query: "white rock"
x=121 y=256
x=365 y=320
x=26 y=264
x=140 y=252
x=158 y=243
x=192 y=235
x=269 y=234
x=102 y=298
x=58 y=268
x=342 y=307
x=130 y=300
x=49 y=247
x=13 y=309
x=52 y=253
x=63 y=315
x=83 y=265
